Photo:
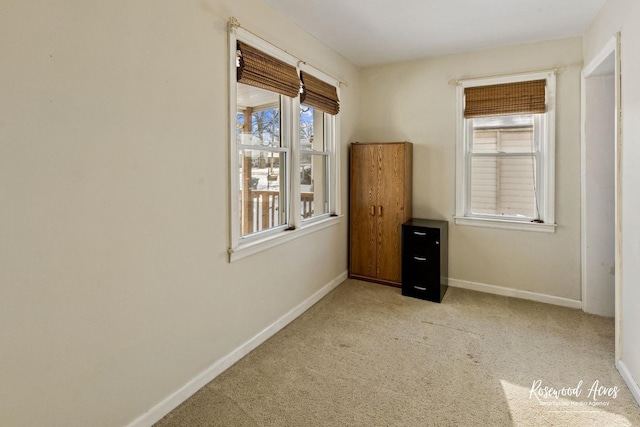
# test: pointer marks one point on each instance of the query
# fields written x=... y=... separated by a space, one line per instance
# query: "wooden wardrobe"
x=380 y=202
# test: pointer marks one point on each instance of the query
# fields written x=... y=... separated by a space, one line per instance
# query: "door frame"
x=612 y=46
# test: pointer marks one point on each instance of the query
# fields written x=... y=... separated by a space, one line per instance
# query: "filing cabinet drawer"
x=422 y=268
x=418 y=237
x=422 y=291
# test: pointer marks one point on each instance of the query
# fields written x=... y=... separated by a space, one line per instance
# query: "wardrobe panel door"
x=364 y=171
x=390 y=211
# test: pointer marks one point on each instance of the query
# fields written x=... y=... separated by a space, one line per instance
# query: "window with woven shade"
x=259 y=69
x=526 y=97
x=283 y=146
x=319 y=94
x=505 y=164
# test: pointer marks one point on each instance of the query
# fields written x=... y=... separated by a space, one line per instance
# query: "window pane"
x=262 y=184
x=313 y=186
x=313 y=163
x=503 y=186
x=505 y=134
x=260 y=170
x=311 y=129
x=258 y=117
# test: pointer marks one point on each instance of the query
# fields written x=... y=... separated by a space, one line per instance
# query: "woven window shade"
x=318 y=94
x=258 y=69
x=509 y=98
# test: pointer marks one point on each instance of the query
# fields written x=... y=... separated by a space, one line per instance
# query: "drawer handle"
x=417 y=258
x=420 y=288
x=419 y=233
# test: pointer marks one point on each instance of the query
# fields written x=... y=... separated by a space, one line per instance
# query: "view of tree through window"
x=283 y=129
x=261 y=159
x=313 y=163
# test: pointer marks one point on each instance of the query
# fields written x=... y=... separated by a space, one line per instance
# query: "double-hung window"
x=314 y=163
x=318 y=111
x=506 y=152
x=283 y=156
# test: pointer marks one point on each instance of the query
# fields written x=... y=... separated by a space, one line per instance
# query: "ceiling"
x=370 y=32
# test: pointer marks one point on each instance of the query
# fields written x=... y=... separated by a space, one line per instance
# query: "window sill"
x=506 y=224
x=247 y=248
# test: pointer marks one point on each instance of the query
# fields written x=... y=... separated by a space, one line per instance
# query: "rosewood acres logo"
x=596 y=395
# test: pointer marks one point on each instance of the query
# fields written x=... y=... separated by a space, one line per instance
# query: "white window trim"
x=243 y=246
x=547 y=175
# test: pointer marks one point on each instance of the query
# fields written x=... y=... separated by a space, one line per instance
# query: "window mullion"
x=265 y=148
x=293 y=116
x=503 y=154
x=332 y=168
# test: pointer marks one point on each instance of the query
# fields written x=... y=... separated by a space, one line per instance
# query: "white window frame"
x=294 y=227
x=331 y=124
x=545 y=159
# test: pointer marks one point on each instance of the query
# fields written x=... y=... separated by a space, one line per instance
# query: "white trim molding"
x=612 y=47
x=515 y=293
x=246 y=249
x=172 y=401
x=505 y=224
x=629 y=380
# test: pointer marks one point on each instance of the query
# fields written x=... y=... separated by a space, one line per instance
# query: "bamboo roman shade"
x=509 y=98
x=259 y=69
x=318 y=94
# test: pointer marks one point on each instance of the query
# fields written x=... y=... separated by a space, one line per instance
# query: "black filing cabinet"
x=424 y=259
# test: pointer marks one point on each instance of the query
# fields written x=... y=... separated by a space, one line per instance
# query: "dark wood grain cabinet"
x=425 y=259
x=379 y=203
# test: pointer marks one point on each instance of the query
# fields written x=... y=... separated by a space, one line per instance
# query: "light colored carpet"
x=367 y=356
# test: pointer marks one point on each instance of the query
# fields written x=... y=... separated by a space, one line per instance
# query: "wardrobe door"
x=363 y=210
x=390 y=210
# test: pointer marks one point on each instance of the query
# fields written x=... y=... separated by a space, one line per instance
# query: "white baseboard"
x=629 y=380
x=183 y=393
x=515 y=293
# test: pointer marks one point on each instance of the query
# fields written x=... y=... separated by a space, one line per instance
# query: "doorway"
x=601 y=202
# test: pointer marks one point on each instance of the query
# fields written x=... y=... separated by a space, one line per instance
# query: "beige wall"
x=413 y=101
x=622 y=16
x=114 y=284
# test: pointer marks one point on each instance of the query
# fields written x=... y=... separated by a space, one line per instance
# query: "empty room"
x=319 y=213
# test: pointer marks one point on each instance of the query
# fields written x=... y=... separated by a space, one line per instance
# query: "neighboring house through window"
x=506 y=152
